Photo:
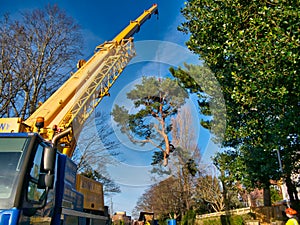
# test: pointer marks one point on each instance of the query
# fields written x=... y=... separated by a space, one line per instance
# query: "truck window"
x=35 y=194
x=8 y=172
x=10 y=157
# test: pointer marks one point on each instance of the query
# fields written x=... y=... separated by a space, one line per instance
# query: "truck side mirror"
x=49 y=159
x=46 y=181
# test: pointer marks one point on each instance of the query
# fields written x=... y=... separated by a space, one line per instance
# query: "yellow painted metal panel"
x=92 y=192
x=9 y=125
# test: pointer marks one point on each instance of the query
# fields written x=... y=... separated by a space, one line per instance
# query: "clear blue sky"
x=159 y=46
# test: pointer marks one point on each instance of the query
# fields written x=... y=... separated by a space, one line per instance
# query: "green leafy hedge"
x=226 y=220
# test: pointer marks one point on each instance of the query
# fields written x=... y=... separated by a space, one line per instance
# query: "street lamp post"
x=285 y=194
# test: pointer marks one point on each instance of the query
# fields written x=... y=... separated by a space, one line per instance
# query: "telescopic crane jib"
x=70 y=106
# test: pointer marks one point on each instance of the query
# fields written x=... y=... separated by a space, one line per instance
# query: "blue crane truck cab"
x=38 y=184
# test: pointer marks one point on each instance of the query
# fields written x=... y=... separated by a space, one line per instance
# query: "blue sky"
x=159 y=45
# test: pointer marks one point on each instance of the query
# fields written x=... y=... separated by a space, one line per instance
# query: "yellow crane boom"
x=70 y=106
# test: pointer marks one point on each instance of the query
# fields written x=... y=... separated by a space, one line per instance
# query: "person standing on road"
x=291 y=214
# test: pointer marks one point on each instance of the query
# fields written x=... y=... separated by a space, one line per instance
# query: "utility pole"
x=111 y=207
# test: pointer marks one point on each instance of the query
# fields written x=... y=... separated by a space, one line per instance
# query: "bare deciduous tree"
x=209 y=189
x=186 y=157
x=167 y=205
x=95 y=150
x=9 y=86
x=36 y=51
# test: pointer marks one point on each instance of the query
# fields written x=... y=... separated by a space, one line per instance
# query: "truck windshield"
x=11 y=152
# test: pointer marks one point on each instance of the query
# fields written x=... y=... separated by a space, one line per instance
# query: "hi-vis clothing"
x=292 y=221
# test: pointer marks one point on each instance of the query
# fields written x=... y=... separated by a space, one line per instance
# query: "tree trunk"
x=225 y=196
x=267 y=196
x=292 y=191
